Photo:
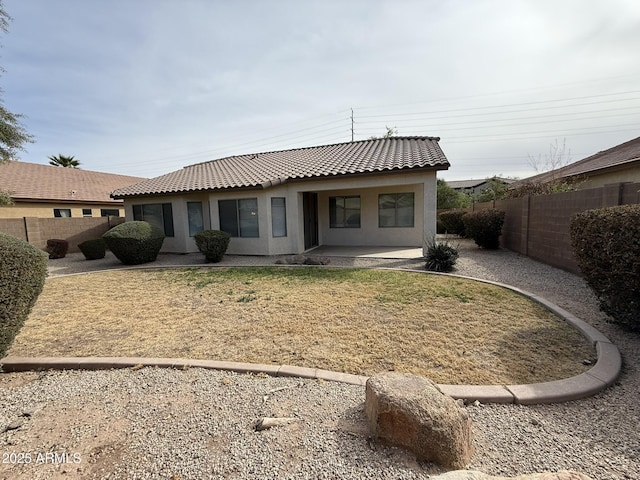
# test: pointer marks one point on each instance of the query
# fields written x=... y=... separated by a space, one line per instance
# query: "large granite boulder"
x=471 y=475
x=410 y=411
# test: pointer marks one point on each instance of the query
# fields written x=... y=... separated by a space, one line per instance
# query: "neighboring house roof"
x=263 y=170
x=40 y=183
x=617 y=156
x=465 y=184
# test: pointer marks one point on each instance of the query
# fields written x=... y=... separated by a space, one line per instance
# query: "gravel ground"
x=195 y=424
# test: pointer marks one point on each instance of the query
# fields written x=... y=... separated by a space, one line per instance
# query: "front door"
x=310 y=212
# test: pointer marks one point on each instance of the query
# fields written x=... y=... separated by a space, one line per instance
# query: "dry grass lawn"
x=358 y=321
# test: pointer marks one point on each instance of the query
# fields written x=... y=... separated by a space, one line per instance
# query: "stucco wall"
x=422 y=184
x=45 y=210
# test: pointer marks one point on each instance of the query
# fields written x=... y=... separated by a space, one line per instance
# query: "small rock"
x=16 y=424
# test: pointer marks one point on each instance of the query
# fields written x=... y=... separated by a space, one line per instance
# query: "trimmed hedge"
x=23 y=269
x=451 y=222
x=57 y=248
x=485 y=227
x=212 y=244
x=134 y=242
x=93 y=249
x=606 y=243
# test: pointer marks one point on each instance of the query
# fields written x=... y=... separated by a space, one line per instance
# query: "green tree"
x=495 y=189
x=63 y=161
x=391 y=132
x=448 y=198
x=13 y=135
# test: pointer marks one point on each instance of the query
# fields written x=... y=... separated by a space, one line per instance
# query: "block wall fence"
x=37 y=231
x=538 y=226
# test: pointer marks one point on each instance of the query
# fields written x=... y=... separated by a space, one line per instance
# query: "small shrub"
x=440 y=257
x=23 y=269
x=57 y=248
x=485 y=227
x=451 y=222
x=93 y=249
x=212 y=244
x=134 y=242
x=606 y=243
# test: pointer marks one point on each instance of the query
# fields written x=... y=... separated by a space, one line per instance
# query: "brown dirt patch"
x=449 y=329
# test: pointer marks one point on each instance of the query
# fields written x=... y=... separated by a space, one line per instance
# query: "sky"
x=147 y=87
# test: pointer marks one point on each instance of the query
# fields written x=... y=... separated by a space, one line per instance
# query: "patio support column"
x=429 y=221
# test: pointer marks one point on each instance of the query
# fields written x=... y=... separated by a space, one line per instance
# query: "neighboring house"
x=45 y=191
x=475 y=187
x=378 y=192
x=615 y=165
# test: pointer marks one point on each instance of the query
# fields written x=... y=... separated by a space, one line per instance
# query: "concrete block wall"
x=74 y=230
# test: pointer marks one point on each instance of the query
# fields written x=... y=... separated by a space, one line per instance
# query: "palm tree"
x=63 y=161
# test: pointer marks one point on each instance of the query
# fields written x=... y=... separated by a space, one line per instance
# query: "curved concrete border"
x=602 y=375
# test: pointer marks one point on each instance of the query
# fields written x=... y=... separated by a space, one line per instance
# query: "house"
x=378 y=192
x=475 y=187
x=615 y=165
x=44 y=191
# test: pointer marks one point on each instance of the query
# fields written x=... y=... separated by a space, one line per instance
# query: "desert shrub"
x=134 y=242
x=212 y=244
x=23 y=269
x=485 y=227
x=606 y=243
x=57 y=248
x=451 y=222
x=440 y=257
x=93 y=249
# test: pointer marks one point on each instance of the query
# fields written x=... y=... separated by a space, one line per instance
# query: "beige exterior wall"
x=422 y=184
x=45 y=210
x=631 y=174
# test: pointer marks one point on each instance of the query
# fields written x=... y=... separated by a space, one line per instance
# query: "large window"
x=395 y=210
x=239 y=218
x=279 y=217
x=61 y=212
x=109 y=212
x=196 y=218
x=344 y=212
x=158 y=214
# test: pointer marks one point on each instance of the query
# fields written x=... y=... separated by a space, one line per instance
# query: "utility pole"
x=352 y=124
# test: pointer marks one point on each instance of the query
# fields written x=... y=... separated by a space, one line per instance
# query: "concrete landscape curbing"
x=602 y=375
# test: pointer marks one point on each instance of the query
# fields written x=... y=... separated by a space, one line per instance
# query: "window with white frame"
x=344 y=212
x=239 y=217
x=278 y=217
x=396 y=210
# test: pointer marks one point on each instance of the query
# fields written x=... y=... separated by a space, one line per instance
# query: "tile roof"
x=37 y=182
x=464 y=184
x=613 y=157
x=263 y=170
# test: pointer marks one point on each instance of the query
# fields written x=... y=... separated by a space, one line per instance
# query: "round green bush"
x=485 y=227
x=93 y=249
x=212 y=244
x=606 y=243
x=134 y=242
x=23 y=269
x=451 y=222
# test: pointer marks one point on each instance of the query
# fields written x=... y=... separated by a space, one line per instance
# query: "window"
x=239 y=218
x=279 y=217
x=109 y=212
x=395 y=210
x=86 y=212
x=196 y=218
x=61 y=212
x=158 y=214
x=344 y=212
